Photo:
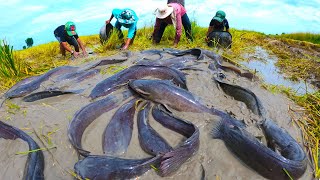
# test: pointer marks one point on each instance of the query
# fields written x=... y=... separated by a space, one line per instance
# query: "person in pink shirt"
x=172 y=13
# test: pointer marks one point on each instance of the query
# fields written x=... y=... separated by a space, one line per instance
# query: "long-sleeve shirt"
x=131 y=27
x=179 y=11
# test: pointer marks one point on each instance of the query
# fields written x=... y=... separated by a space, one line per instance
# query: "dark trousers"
x=186 y=25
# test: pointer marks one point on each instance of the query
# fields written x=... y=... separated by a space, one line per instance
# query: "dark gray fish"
x=105 y=32
x=103 y=62
x=259 y=157
x=153 y=51
x=150 y=141
x=175 y=62
x=86 y=115
x=35 y=162
x=35 y=83
x=107 y=167
x=220 y=39
x=118 y=133
x=172 y=161
x=245 y=95
x=47 y=94
x=165 y=92
x=116 y=81
x=194 y=51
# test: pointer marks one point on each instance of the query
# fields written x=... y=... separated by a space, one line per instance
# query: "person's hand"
x=84 y=53
x=107 y=21
x=75 y=54
x=206 y=38
x=125 y=47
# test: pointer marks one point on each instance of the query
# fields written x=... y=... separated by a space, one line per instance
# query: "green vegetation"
x=298 y=57
x=29 y=42
x=310 y=37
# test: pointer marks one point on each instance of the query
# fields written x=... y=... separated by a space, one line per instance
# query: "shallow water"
x=264 y=65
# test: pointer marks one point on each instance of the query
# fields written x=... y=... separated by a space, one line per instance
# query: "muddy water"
x=264 y=64
x=50 y=117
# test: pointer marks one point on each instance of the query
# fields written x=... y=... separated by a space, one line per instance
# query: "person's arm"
x=84 y=52
x=66 y=47
x=226 y=24
x=209 y=30
x=109 y=20
x=131 y=32
x=178 y=28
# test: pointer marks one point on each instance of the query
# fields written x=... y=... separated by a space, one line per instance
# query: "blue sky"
x=21 y=19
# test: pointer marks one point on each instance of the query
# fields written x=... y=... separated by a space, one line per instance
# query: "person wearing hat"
x=172 y=13
x=128 y=19
x=218 y=23
x=67 y=34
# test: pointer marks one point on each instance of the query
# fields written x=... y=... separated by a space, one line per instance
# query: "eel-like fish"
x=194 y=51
x=259 y=157
x=96 y=167
x=172 y=160
x=35 y=163
x=35 y=83
x=47 y=94
x=116 y=81
x=103 y=62
x=150 y=141
x=118 y=133
x=245 y=95
x=165 y=92
x=175 y=62
x=151 y=52
x=87 y=114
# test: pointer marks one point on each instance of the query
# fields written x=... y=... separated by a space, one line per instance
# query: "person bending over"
x=67 y=34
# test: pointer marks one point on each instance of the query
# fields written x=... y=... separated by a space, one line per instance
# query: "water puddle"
x=264 y=64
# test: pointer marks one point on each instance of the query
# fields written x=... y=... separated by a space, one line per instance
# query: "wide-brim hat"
x=163 y=11
x=70 y=27
x=126 y=17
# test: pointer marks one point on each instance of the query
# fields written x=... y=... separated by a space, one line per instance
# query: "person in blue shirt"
x=128 y=19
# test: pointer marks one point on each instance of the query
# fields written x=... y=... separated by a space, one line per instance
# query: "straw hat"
x=163 y=11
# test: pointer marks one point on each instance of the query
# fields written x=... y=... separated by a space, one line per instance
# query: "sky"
x=21 y=19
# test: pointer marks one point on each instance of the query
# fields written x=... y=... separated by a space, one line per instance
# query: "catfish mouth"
x=137 y=86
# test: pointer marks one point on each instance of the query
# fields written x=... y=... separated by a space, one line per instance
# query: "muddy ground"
x=50 y=117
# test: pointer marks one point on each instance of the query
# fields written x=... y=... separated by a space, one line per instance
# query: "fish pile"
x=157 y=87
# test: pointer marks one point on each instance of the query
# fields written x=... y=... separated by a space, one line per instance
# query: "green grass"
x=303 y=65
x=310 y=37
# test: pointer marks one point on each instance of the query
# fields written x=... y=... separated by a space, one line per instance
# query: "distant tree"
x=29 y=42
x=24 y=47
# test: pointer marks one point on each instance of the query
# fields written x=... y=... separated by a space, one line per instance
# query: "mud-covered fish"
x=96 y=167
x=35 y=83
x=35 y=162
x=86 y=115
x=173 y=160
x=47 y=94
x=150 y=141
x=165 y=92
x=118 y=133
x=259 y=157
x=245 y=95
x=151 y=52
x=194 y=51
x=116 y=81
x=175 y=62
